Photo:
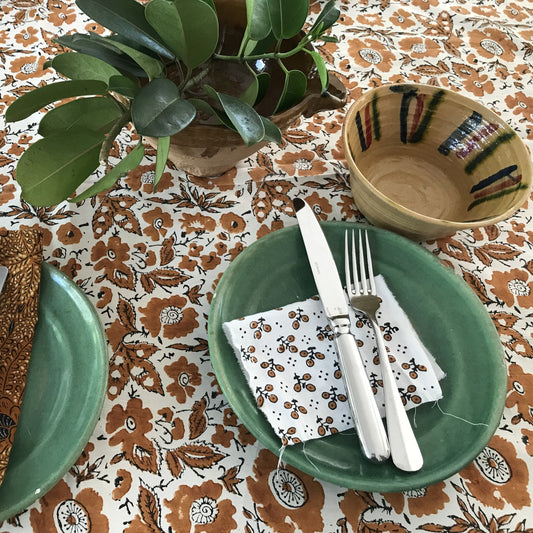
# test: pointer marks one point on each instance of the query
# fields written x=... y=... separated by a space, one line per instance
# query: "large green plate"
x=64 y=393
x=446 y=313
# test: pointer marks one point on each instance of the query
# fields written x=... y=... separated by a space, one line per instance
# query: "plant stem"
x=123 y=108
x=180 y=70
x=244 y=42
x=271 y=55
x=111 y=136
x=192 y=81
x=185 y=78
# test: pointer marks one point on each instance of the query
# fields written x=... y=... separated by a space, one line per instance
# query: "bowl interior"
x=437 y=153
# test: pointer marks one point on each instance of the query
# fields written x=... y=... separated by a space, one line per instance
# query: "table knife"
x=3 y=276
x=367 y=420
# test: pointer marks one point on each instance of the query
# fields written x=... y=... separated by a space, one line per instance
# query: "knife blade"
x=367 y=420
x=3 y=276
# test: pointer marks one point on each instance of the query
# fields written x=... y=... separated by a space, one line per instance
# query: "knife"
x=367 y=419
x=3 y=276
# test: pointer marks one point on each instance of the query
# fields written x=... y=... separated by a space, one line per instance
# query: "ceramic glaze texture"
x=65 y=390
x=426 y=161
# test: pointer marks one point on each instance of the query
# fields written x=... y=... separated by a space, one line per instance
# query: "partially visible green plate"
x=450 y=319
x=65 y=390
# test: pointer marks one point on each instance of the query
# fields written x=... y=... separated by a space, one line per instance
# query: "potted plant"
x=181 y=71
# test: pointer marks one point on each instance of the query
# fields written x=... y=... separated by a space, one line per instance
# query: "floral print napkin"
x=21 y=252
x=290 y=362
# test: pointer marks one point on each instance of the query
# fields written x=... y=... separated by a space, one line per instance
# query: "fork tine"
x=354 y=266
x=349 y=287
x=370 y=267
x=362 y=269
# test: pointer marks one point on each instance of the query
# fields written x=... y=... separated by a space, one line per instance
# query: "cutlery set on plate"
x=399 y=442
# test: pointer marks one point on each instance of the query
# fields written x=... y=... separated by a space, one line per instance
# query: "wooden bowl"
x=425 y=162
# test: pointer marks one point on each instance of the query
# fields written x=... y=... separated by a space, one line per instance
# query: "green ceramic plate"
x=65 y=389
x=446 y=313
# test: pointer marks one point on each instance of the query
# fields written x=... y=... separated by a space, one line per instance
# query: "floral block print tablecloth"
x=168 y=454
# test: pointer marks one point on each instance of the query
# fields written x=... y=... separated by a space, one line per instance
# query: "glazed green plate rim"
x=449 y=318
x=77 y=395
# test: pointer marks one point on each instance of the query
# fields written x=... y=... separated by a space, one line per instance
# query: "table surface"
x=167 y=445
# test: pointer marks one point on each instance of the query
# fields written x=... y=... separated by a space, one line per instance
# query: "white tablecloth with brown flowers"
x=168 y=454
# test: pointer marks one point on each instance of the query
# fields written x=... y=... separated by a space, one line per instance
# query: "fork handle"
x=405 y=451
x=367 y=420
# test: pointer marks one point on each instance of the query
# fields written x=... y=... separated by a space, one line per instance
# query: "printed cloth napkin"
x=21 y=252
x=290 y=362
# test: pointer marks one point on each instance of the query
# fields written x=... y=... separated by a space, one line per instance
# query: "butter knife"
x=367 y=419
x=3 y=276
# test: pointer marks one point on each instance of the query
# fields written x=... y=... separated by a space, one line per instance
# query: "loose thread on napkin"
x=307 y=457
x=458 y=417
x=281 y=463
x=436 y=403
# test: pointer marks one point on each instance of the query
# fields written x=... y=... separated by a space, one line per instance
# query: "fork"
x=405 y=451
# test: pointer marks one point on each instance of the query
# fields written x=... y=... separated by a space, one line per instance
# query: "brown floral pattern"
x=286 y=499
x=201 y=508
x=498 y=476
x=128 y=428
x=61 y=509
x=168 y=453
x=185 y=377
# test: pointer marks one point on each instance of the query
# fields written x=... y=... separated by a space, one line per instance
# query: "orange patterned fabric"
x=21 y=253
x=168 y=453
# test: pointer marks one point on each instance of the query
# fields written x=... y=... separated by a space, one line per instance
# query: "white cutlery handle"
x=405 y=451
x=367 y=419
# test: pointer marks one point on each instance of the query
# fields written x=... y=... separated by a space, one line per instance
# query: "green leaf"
x=250 y=93
x=151 y=66
x=125 y=17
x=163 y=147
x=78 y=66
x=202 y=105
x=272 y=132
x=287 y=17
x=258 y=20
x=32 y=101
x=158 y=110
x=210 y=3
x=328 y=16
x=188 y=27
x=260 y=47
x=51 y=169
x=263 y=81
x=97 y=46
x=95 y=114
x=244 y=118
x=116 y=38
x=129 y=162
x=293 y=90
x=321 y=67
x=125 y=86
x=329 y=39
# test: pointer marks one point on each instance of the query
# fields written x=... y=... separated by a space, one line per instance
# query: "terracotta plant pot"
x=209 y=150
